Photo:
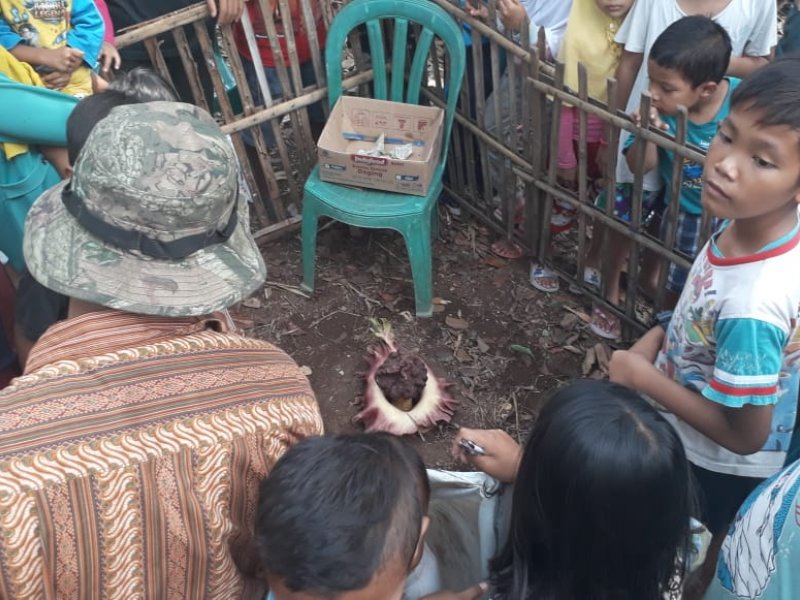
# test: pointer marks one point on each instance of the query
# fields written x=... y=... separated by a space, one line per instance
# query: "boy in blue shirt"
x=727 y=365
x=62 y=40
x=686 y=67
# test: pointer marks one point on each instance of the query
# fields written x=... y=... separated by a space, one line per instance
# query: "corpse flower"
x=402 y=395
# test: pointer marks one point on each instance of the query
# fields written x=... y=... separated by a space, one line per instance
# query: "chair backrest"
x=434 y=22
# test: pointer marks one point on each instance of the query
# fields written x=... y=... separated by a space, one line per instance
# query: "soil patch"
x=501 y=343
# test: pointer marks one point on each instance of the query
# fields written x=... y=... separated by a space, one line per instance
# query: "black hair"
x=697 y=47
x=139 y=85
x=144 y=85
x=772 y=90
x=335 y=509
x=601 y=504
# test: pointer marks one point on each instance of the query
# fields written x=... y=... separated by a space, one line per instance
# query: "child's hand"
x=655 y=119
x=477 y=9
x=57 y=80
x=64 y=59
x=502 y=457
x=225 y=11
x=629 y=367
x=512 y=14
x=109 y=57
x=473 y=593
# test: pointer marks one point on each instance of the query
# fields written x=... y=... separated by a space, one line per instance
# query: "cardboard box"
x=354 y=118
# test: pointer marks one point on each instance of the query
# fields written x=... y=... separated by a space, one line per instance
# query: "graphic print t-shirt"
x=734 y=338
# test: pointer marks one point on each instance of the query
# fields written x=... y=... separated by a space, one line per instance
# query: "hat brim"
x=66 y=258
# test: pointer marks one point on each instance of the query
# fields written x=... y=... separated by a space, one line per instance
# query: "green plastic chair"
x=412 y=216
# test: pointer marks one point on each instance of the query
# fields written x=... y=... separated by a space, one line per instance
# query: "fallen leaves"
x=456 y=323
x=595 y=361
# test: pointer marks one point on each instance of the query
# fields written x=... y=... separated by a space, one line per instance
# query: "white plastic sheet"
x=468 y=514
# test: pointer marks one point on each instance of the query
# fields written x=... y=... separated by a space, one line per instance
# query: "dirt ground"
x=501 y=343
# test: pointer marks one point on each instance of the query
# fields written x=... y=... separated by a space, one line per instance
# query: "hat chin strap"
x=135 y=240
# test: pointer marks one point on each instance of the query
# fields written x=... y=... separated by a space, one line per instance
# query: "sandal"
x=543 y=279
x=605 y=324
x=507 y=249
x=562 y=218
x=591 y=277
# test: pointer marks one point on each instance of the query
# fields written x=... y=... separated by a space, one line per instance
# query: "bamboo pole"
x=289 y=106
x=162 y=24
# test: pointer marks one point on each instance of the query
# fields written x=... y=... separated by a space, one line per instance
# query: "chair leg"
x=309 y=236
x=418 y=242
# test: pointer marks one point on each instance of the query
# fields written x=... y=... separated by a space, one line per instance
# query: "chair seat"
x=368 y=204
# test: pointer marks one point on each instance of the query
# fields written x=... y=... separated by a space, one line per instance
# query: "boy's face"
x=616 y=9
x=669 y=90
x=387 y=584
x=751 y=170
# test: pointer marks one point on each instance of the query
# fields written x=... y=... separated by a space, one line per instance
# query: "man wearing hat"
x=132 y=447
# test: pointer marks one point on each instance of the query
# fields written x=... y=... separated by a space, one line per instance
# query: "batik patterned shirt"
x=131 y=453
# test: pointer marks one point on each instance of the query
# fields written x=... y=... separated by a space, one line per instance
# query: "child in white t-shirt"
x=728 y=366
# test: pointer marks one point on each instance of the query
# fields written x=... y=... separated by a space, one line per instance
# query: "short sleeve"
x=8 y=37
x=632 y=33
x=626 y=145
x=748 y=363
x=764 y=35
x=86 y=30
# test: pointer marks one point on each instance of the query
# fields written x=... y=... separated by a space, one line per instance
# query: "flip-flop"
x=543 y=279
x=507 y=249
x=604 y=324
x=591 y=277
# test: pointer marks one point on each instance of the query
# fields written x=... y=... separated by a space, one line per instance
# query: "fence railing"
x=502 y=162
x=506 y=173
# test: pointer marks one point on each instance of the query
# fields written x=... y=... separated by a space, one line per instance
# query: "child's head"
x=687 y=62
x=144 y=85
x=602 y=500
x=616 y=9
x=139 y=85
x=343 y=516
x=753 y=165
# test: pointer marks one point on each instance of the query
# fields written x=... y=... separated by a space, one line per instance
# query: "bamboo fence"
x=494 y=173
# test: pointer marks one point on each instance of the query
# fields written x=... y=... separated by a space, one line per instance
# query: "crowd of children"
x=699 y=419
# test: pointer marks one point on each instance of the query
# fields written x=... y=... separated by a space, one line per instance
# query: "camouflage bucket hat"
x=151 y=221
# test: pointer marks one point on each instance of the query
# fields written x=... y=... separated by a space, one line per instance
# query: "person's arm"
x=735 y=407
x=650 y=343
x=86 y=30
x=59 y=158
x=33 y=115
x=741 y=430
x=63 y=59
x=473 y=593
x=742 y=66
x=650 y=155
x=502 y=457
x=225 y=11
x=762 y=39
x=627 y=70
x=651 y=150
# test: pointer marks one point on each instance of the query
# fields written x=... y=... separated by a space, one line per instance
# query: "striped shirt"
x=131 y=452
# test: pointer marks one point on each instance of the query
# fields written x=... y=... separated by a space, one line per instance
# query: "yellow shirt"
x=22 y=73
x=45 y=25
x=589 y=39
